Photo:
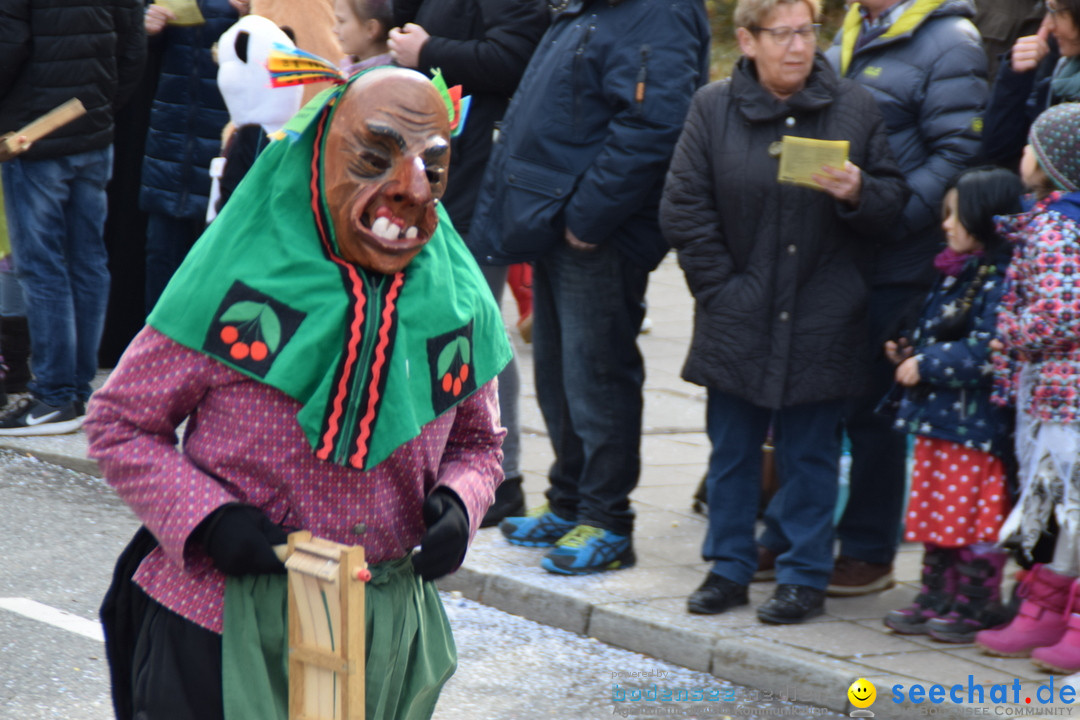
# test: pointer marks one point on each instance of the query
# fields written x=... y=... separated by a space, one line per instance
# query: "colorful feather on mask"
x=292 y=66
x=457 y=107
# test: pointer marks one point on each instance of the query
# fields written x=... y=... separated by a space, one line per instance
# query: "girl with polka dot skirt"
x=958 y=495
x=1039 y=328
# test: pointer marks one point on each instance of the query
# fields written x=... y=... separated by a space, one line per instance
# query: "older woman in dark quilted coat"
x=777 y=274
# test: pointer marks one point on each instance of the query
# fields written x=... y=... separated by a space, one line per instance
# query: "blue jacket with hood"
x=928 y=75
x=588 y=136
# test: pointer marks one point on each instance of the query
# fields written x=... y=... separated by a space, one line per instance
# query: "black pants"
x=162 y=666
x=869 y=529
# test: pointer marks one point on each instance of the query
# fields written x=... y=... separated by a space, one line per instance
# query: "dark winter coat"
x=1015 y=101
x=1001 y=22
x=777 y=270
x=187 y=117
x=589 y=133
x=928 y=75
x=952 y=400
x=484 y=46
x=54 y=50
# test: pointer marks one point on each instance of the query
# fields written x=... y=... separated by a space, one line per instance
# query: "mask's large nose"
x=409 y=184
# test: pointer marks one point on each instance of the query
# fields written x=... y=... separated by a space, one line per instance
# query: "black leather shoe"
x=792 y=604
x=716 y=595
x=509 y=502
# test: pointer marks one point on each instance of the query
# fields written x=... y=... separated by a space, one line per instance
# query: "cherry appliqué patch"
x=250 y=329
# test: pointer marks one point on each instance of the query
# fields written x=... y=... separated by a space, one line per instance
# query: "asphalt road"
x=66 y=529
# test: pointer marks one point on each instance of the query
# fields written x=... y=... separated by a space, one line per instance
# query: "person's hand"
x=907 y=372
x=21 y=145
x=843 y=184
x=443 y=546
x=1030 y=50
x=405 y=44
x=156 y=18
x=996 y=344
x=242 y=7
x=573 y=241
x=897 y=351
x=240 y=540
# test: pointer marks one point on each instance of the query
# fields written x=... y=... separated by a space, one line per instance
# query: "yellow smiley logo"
x=862 y=693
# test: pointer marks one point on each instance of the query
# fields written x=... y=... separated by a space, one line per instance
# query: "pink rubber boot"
x=1040 y=621
x=1064 y=656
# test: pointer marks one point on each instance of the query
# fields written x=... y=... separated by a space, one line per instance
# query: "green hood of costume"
x=372 y=357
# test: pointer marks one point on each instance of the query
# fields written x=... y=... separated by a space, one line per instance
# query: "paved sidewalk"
x=644 y=608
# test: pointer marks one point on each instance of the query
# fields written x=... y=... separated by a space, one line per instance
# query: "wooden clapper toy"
x=326 y=629
x=10 y=144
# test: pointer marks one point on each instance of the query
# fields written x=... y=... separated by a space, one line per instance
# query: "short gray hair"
x=751 y=13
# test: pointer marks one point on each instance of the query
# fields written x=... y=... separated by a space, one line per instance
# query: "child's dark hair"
x=381 y=10
x=982 y=193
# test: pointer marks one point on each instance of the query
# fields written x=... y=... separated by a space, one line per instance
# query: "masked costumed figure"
x=332 y=347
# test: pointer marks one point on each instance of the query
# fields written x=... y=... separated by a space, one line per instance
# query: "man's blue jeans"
x=588 y=308
x=56 y=215
x=799 y=521
x=509 y=384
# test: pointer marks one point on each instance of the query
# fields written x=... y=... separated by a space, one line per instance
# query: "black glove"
x=443 y=546
x=240 y=540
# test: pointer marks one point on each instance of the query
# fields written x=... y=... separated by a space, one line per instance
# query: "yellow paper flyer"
x=187 y=11
x=801 y=158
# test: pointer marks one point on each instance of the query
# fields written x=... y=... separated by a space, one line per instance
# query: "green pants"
x=410 y=649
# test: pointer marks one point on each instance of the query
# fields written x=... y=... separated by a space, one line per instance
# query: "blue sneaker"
x=588 y=549
x=539 y=528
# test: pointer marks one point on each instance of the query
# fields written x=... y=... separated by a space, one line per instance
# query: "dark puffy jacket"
x=484 y=46
x=1015 y=101
x=589 y=133
x=54 y=50
x=187 y=117
x=777 y=270
x=952 y=400
x=928 y=75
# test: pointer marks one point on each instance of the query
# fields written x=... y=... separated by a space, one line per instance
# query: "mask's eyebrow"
x=388 y=133
x=436 y=151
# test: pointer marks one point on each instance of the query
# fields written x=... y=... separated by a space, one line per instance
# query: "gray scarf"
x=1065 y=84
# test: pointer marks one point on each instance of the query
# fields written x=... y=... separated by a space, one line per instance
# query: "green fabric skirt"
x=410 y=649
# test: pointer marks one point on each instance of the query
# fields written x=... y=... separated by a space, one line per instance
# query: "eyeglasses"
x=1051 y=9
x=784 y=35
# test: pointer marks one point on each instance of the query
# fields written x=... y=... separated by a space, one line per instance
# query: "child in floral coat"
x=1039 y=326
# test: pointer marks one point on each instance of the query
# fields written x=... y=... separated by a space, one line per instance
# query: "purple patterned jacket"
x=243 y=444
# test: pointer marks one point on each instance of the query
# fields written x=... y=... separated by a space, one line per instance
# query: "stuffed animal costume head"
x=244 y=80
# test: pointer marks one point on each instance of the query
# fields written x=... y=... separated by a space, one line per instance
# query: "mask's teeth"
x=384 y=229
x=412 y=232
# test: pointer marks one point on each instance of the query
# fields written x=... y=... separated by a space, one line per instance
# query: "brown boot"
x=857 y=577
x=766 y=565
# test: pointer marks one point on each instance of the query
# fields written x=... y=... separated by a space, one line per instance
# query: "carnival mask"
x=387 y=153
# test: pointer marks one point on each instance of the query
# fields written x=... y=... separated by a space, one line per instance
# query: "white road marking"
x=57 y=618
